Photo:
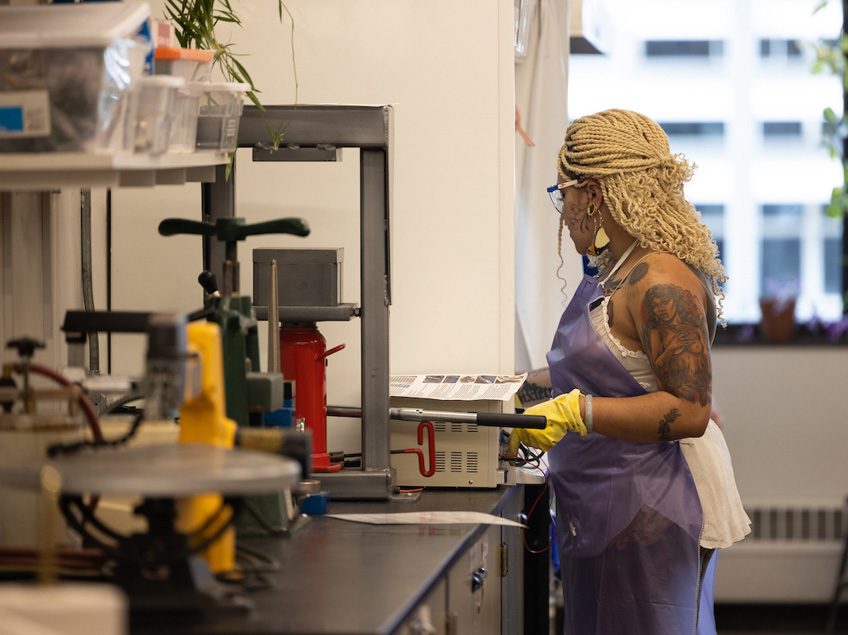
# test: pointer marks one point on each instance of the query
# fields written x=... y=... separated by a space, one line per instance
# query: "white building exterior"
x=731 y=82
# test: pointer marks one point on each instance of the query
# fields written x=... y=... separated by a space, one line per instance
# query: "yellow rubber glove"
x=563 y=415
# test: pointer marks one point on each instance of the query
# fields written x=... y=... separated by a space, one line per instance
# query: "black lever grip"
x=294 y=226
x=173 y=226
x=233 y=229
x=503 y=420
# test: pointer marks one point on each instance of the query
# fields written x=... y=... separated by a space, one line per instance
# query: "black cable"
x=70 y=448
x=234 y=505
x=76 y=525
x=119 y=403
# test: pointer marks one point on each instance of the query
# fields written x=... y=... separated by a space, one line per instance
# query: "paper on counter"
x=427 y=518
x=456 y=386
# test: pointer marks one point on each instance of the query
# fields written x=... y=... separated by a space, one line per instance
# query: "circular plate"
x=170 y=470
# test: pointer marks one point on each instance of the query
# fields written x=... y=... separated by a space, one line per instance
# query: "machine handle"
x=497 y=419
x=296 y=226
x=504 y=420
x=329 y=352
x=232 y=229
x=174 y=226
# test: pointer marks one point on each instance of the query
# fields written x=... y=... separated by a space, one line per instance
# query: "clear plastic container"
x=218 y=115
x=183 y=135
x=150 y=113
x=66 y=70
x=193 y=65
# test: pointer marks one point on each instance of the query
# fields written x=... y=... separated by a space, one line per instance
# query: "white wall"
x=785 y=422
x=447 y=68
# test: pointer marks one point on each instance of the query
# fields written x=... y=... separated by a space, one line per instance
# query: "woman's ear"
x=594 y=192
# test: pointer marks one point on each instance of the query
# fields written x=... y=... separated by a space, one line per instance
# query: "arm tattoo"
x=530 y=393
x=674 y=335
x=664 y=430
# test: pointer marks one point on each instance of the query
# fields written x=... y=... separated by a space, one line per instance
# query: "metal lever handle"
x=232 y=229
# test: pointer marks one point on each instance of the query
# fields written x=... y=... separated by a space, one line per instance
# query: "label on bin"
x=24 y=113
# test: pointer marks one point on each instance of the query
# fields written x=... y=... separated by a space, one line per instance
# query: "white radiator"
x=791 y=555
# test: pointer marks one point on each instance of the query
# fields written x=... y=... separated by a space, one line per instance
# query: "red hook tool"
x=431 y=448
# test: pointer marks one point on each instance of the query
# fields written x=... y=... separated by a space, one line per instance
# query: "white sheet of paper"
x=428 y=518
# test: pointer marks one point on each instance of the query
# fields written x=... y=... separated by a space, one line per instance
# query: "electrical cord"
x=84 y=401
x=529 y=549
x=70 y=448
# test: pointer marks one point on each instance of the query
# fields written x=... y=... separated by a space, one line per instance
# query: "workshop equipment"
x=203 y=420
x=249 y=393
x=32 y=419
x=303 y=357
x=463 y=449
x=302 y=279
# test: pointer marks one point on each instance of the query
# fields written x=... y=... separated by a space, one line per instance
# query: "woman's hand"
x=563 y=415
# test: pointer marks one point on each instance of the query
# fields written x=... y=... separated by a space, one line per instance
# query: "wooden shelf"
x=48 y=170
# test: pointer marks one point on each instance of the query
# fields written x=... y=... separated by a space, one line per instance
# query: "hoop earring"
x=590 y=210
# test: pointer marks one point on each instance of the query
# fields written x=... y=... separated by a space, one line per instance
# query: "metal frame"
x=316 y=133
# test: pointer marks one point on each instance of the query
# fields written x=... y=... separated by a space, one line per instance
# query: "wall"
x=447 y=69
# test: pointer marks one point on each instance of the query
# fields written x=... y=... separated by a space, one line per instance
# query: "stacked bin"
x=65 y=75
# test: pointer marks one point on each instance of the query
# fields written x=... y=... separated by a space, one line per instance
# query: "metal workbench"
x=344 y=578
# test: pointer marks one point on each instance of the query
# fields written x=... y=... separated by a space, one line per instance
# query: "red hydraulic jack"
x=303 y=359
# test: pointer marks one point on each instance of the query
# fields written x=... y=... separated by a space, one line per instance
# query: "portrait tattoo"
x=674 y=335
x=664 y=430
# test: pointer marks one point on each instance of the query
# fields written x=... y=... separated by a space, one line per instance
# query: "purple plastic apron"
x=628 y=516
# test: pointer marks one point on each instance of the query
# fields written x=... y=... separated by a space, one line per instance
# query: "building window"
x=780 y=263
x=712 y=215
x=781 y=130
x=684 y=48
x=781 y=49
x=752 y=130
x=693 y=128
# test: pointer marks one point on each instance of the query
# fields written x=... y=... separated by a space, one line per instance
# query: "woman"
x=642 y=478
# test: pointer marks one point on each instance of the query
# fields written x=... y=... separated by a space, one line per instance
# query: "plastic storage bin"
x=184 y=125
x=65 y=71
x=218 y=115
x=151 y=112
x=191 y=64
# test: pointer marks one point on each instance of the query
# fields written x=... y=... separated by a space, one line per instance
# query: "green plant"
x=195 y=23
x=830 y=58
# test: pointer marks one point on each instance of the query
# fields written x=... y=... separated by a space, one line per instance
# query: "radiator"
x=791 y=555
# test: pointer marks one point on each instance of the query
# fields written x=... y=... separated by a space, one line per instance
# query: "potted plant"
x=777 y=310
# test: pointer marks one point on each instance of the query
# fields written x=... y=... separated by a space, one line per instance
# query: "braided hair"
x=642 y=183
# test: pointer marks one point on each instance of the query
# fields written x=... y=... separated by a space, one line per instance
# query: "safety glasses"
x=558 y=195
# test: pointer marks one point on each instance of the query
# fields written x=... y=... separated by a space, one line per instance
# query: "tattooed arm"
x=536 y=389
x=666 y=307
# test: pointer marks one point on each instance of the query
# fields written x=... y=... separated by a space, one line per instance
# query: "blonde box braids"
x=642 y=184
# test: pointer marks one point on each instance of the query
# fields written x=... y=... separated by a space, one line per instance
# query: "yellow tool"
x=203 y=419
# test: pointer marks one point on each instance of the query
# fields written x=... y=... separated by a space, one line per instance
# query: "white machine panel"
x=466 y=454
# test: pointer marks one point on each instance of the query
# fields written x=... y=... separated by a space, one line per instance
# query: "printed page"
x=456 y=386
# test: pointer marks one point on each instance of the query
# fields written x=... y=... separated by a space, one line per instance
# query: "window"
x=713 y=217
x=684 y=48
x=779 y=48
x=753 y=130
x=693 y=128
x=781 y=130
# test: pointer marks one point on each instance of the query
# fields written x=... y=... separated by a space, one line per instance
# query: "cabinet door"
x=474 y=588
x=430 y=616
